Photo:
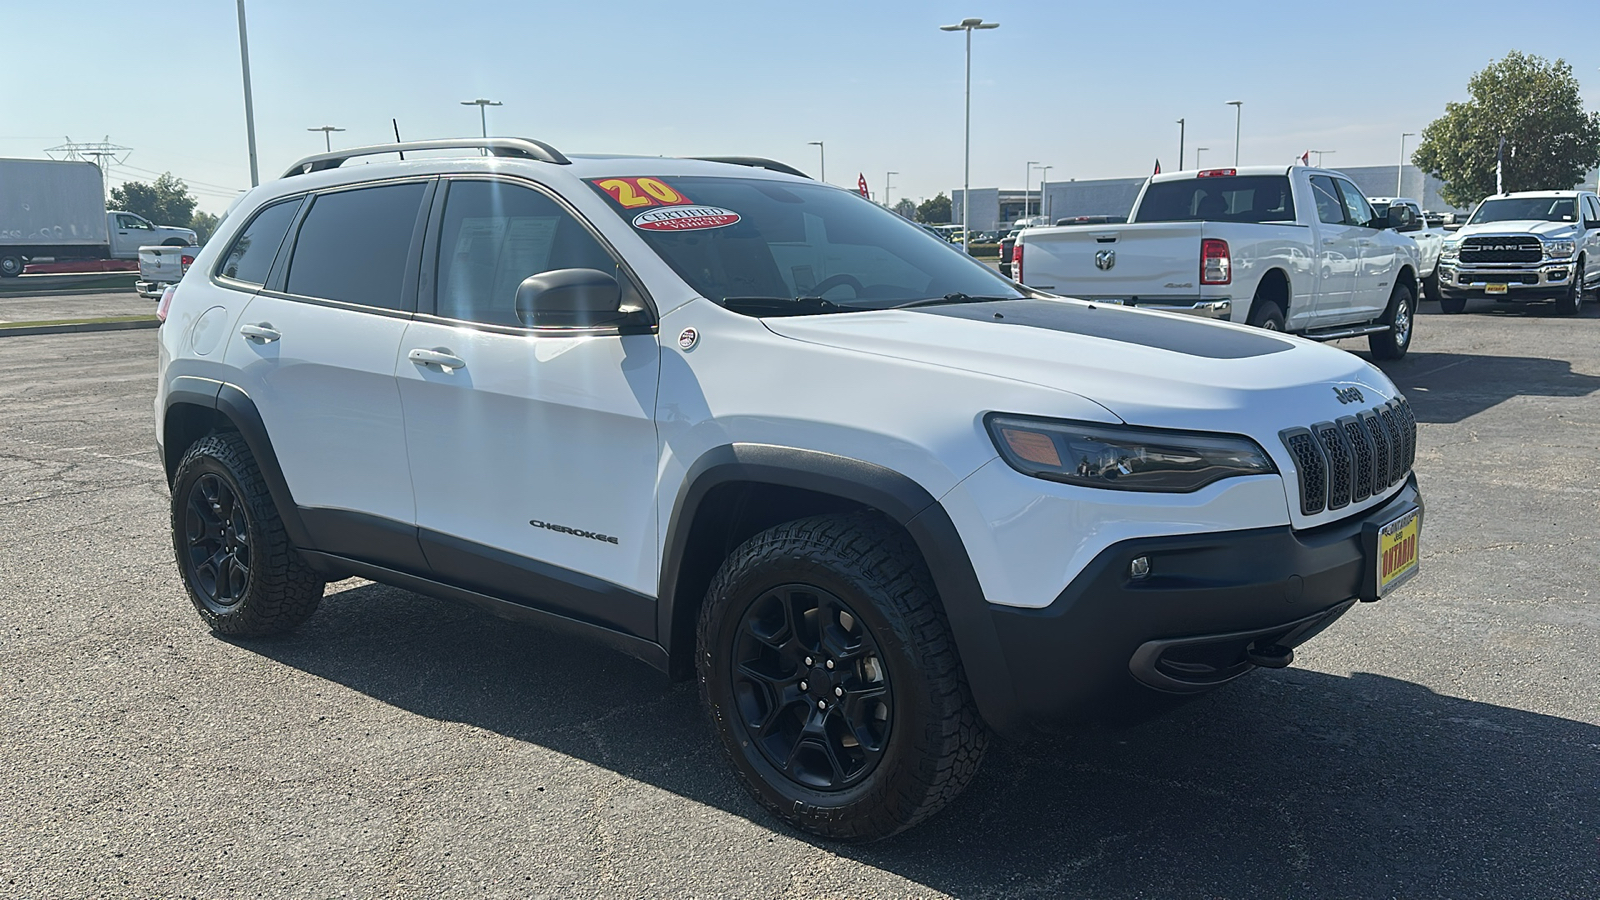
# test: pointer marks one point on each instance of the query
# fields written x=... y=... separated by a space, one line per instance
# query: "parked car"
x=1430 y=240
x=761 y=432
x=1533 y=245
x=1293 y=249
x=56 y=209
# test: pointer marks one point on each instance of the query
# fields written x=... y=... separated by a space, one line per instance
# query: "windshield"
x=778 y=248
x=1219 y=198
x=1508 y=209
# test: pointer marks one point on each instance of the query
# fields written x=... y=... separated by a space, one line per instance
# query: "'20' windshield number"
x=632 y=193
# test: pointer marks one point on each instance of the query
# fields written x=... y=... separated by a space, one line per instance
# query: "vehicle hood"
x=1146 y=367
x=1547 y=230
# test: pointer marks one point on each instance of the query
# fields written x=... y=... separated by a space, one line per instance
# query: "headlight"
x=1558 y=249
x=1124 y=458
x=1450 y=251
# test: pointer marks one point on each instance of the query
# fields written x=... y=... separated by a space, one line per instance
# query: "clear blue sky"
x=1092 y=88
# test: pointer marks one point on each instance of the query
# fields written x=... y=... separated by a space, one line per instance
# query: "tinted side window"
x=1222 y=198
x=250 y=257
x=493 y=236
x=353 y=245
x=1330 y=208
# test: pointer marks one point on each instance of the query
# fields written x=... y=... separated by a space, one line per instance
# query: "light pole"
x=327 y=142
x=1044 y=179
x=1400 y=170
x=483 y=116
x=1197 y=152
x=249 y=107
x=886 y=186
x=968 y=25
x=1238 y=114
x=1181 y=128
x=1027 y=187
x=822 y=160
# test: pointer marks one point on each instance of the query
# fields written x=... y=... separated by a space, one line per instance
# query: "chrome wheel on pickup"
x=1572 y=302
x=1394 y=343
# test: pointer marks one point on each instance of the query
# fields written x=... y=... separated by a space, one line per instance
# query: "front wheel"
x=1572 y=301
x=1401 y=319
x=1452 y=305
x=831 y=678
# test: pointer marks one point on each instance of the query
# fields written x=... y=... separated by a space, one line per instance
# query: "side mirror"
x=1401 y=218
x=1591 y=223
x=1452 y=226
x=569 y=297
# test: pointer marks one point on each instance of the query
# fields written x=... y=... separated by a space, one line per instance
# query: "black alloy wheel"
x=216 y=526
x=811 y=687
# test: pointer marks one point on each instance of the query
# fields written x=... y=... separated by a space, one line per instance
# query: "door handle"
x=264 y=333
x=439 y=358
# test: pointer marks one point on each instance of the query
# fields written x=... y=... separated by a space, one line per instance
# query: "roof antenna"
x=397 y=137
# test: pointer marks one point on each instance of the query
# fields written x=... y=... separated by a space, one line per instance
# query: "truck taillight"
x=1016 y=262
x=1216 y=266
x=166 y=302
x=187 y=261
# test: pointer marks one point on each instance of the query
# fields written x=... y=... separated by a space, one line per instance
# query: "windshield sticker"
x=685 y=218
x=632 y=193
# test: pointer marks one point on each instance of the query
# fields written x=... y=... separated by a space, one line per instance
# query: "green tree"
x=935 y=211
x=204 y=225
x=1550 y=142
x=906 y=208
x=167 y=202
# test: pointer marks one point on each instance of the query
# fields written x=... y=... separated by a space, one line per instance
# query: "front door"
x=128 y=233
x=533 y=450
x=1338 y=254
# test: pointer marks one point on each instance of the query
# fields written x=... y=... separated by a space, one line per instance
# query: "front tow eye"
x=1270 y=656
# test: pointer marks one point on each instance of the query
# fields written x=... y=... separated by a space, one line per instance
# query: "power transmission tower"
x=96 y=152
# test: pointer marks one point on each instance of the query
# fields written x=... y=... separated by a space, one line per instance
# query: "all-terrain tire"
x=1401 y=317
x=929 y=737
x=241 y=572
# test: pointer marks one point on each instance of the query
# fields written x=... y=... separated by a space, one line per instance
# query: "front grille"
x=1359 y=456
x=1501 y=250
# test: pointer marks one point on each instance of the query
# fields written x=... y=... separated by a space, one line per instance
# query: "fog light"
x=1140 y=568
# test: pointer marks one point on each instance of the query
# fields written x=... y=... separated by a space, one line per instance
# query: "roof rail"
x=754 y=162
x=524 y=148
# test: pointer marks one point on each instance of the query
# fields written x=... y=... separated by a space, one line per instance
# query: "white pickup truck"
x=1293 y=249
x=162 y=266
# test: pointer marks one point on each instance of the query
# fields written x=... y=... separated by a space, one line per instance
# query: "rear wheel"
x=243 y=576
x=1267 y=315
x=1569 y=303
x=1400 y=317
x=830 y=676
x=11 y=266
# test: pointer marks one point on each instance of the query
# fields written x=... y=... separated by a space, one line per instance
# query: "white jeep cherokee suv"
x=757 y=430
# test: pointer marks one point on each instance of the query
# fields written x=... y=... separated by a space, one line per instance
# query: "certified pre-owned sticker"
x=685 y=218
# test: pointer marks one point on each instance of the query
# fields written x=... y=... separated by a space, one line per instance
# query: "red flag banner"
x=1158 y=167
x=861 y=184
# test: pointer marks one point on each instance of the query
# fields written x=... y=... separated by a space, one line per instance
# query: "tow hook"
x=1270 y=656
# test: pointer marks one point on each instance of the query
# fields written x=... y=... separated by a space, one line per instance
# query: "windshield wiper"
x=780 y=306
x=956 y=297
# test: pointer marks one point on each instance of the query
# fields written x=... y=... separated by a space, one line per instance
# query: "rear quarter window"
x=249 y=257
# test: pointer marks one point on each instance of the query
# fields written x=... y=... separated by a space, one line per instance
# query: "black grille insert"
x=1501 y=250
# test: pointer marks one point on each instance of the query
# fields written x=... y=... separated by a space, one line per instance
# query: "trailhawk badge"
x=1105 y=259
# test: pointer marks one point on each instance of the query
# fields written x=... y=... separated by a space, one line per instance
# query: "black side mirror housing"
x=1589 y=224
x=1401 y=218
x=568 y=297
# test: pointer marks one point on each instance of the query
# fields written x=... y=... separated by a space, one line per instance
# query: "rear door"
x=1338 y=252
x=316 y=348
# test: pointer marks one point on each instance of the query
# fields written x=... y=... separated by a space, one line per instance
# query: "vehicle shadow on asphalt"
x=1286 y=783
x=1445 y=388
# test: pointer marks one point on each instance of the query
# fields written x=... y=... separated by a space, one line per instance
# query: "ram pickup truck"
x=1295 y=249
x=1535 y=245
x=162 y=266
x=1429 y=238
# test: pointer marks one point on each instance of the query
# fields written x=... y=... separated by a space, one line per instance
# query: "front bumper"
x=1209 y=605
x=1527 y=281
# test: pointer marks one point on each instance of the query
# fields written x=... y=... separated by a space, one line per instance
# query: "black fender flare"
x=892 y=493
x=230 y=401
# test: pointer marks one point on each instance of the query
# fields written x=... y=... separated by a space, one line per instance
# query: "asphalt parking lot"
x=1444 y=742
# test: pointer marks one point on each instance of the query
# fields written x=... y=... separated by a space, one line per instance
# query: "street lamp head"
x=814 y=143
x=481 y=102
x=1235 y=102
x=968 y=24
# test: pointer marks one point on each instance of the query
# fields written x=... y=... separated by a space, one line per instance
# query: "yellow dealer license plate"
x=1397 y=551
x=1494 y=289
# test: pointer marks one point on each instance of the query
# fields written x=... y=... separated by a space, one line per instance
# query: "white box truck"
x=56 y=209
